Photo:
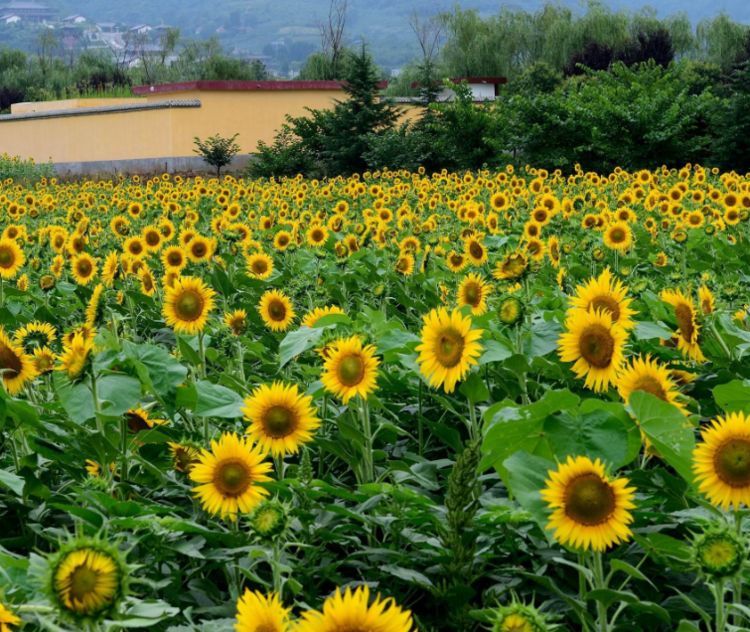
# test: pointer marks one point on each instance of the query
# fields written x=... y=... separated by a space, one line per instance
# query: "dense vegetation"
x=505 y=399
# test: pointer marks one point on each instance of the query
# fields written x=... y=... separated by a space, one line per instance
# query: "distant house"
x=74 y=19
x=482 y=88
x=10 y=18
x=28 y=11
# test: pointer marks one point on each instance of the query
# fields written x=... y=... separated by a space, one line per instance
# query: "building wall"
x=122 y=138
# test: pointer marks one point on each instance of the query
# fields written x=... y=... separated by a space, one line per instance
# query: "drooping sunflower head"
x=510 y=310
x=706 y=299
x=405 y=264
x=589 y=510
x=276 y=310
x=77 y=347
x=719 y=552
x=187 y=304
x=16 y=366
x=139 y=419
x=595 y=345
x=184 y=456
x=687 y=323
x=313 y=316
x=449 y=348
x=354 y=611
x=257 y=612
x=350 y=368
x=650 y=376
x=259 y=265
x=281 y=418
x=11 y=258
x=236 y=321
x=473 y=291
x=230 y=475
x=35 y=334
x=721 y=461
x=87 y=579
x=513 y=266
x=475 y=251
x=608 y=294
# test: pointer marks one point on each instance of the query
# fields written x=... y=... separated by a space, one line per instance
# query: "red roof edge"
x=241 y=86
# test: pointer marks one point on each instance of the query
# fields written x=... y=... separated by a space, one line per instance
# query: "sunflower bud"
x=719 y=552
x=518 y=616
x=510 y=310
x=269 y=519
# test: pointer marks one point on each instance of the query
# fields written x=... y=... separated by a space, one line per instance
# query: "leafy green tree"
x=217 y=151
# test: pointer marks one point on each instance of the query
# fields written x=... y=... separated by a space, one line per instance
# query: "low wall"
x=147 y=166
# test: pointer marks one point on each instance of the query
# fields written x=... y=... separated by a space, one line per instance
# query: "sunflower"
x=229 y=475
x=183 y=456
x=75 y=353
x=687 y=325
x=707 y=300
x=11 y=258
x=721 y=461
x=35 y=334
x=187 y=305
x=257 y=612
x=512 y=267
x=16 y=366
x=138 y=419
x=312 y=317
x=7 y=619
x=606 y=294
x=276 y=310
x=199 y=249
x=405 y=264
x=456 y=261
x=618 y=236
x=449 y=348
x=87 y=579
x=651 y=377
x=83 y=267
x=135 y=247
x=316 y=236
x=110 y=269
x=595 y=344
x=589 y=510
x=473 y=291
x=174 y=258
x=44 y=360
x=236 y=321
x=519 y=617
x=475 y=251
x=350 y=368
x=353 y=610
x=259 y=265
x=282 y=240
x=281 y=418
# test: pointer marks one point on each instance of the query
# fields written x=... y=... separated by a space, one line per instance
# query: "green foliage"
x=332 y=142
x=23 y=171
x=217 y=151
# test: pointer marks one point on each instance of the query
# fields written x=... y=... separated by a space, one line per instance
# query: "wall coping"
x=234 y=85
x=103 y=109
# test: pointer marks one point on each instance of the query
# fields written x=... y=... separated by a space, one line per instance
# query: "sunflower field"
x=513 y=401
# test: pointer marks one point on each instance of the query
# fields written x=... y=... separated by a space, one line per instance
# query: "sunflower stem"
x=241 y=361
x=600 y=583
x=473 y=426
x=420 y=421
x=123 y=449
x=276 y=568
x=737 y=617
x=202 y=353
x=2 y=292
x=720 y=339
x=369 y=467
x=719 y=599
x=97 y=404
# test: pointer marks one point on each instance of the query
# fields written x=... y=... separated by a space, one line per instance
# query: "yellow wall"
x=157 y=133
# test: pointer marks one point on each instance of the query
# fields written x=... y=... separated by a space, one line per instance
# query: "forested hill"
x=252 y=25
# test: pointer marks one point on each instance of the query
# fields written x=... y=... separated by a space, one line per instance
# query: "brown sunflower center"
x=283 y=240
x=136 y=423
x=607 y=303
x=732 y=462
x=649 y=384
x=589 y=500
x=10 y=363
x=472 y=294
x=351 y=370
x=317 y=235
x=84 y=267
x=175 y=258
x=617 y=235
x=232 y=477
x=259 y=266
x=279 y=421
x=277 y=310
x=597 y=346
x=476 y=250
x=450 y=347
x=6 y=258
x=684 y=315
x=136 y=248
x=189 y=305
x=199 y=249
x=83 y=582
x=153 y=238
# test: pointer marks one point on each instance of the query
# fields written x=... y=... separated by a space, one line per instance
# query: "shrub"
x=217 y=150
